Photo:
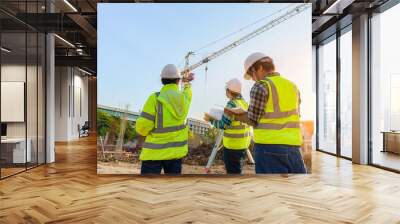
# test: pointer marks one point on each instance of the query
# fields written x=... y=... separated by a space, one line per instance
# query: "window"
x=327 y=96
x=346 y=94
x=385 y=89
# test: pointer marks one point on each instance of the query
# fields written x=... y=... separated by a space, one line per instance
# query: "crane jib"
x=289 y=14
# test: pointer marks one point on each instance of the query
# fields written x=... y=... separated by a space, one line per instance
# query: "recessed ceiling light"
x=338 y=6
x=70 y=5
x=84 y=71
x=65 y=41
x=5 y=50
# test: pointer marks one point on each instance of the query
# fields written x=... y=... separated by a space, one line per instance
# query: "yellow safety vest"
x=168 y=135
x=280 y=123
x=237 y=136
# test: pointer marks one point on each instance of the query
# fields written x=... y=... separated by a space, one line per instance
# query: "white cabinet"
x=19 y=155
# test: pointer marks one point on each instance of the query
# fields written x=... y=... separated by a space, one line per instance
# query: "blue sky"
x=135 y=41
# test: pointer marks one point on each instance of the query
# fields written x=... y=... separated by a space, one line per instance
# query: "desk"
x=391 y=141
x=13 y=150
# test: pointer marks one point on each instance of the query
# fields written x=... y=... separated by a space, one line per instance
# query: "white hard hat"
x=170 y=71
x=234 y=85
x=250 y=60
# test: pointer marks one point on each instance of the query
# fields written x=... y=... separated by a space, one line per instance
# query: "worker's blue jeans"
x=278 y=159
x=233 y=160
x=155 y=166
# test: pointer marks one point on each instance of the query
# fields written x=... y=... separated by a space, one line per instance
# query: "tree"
x=103 y=123
x=210 y=135
x=130 y=132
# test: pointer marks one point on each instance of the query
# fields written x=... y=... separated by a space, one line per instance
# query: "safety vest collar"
x=272 y=74
x=240 y=102
x=171 y=86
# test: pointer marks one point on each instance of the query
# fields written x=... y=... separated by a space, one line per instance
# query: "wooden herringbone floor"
x=69 y=191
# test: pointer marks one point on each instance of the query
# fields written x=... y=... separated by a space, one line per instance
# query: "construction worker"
x=274 y=114
x=162 y=129
x=236 y=139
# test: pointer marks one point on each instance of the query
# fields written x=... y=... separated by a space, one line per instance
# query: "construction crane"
x=289 y=14
x=293 y=12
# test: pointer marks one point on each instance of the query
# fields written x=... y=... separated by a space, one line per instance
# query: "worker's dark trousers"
x=233 y=160
x=155 y=166
x=278 y=159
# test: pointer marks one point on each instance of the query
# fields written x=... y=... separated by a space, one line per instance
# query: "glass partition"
x=22 y=77
x=14 y=153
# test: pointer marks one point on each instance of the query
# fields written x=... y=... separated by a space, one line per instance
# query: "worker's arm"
x=146 y=120
x=225 y=121
x=187 y=89
x=299 y=101
x=258 y=100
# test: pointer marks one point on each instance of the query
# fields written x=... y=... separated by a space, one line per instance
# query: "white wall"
x=16 y=73
x=61 y=103
x=71 y=102
x=33 y=126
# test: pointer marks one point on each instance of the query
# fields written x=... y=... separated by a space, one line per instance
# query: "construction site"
x=116 y=137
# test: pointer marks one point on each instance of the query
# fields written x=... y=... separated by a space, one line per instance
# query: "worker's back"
x=280 y=123
x=166 y=113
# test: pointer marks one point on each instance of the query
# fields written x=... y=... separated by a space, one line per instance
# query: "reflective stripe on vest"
x=147 y=116
x=164 y=146
x=242 y=135
x=238 y=127
x=275 y=97
x=278 y=126
x=269 y=115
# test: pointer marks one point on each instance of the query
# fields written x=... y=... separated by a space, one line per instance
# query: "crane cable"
x=196 y=52
x=241 y=29
x=205 y=85
x=227 y=36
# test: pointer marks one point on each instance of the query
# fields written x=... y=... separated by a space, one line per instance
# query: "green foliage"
x=103 y=123
x=130 y=132
x=210 y=135
x=111 y=124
